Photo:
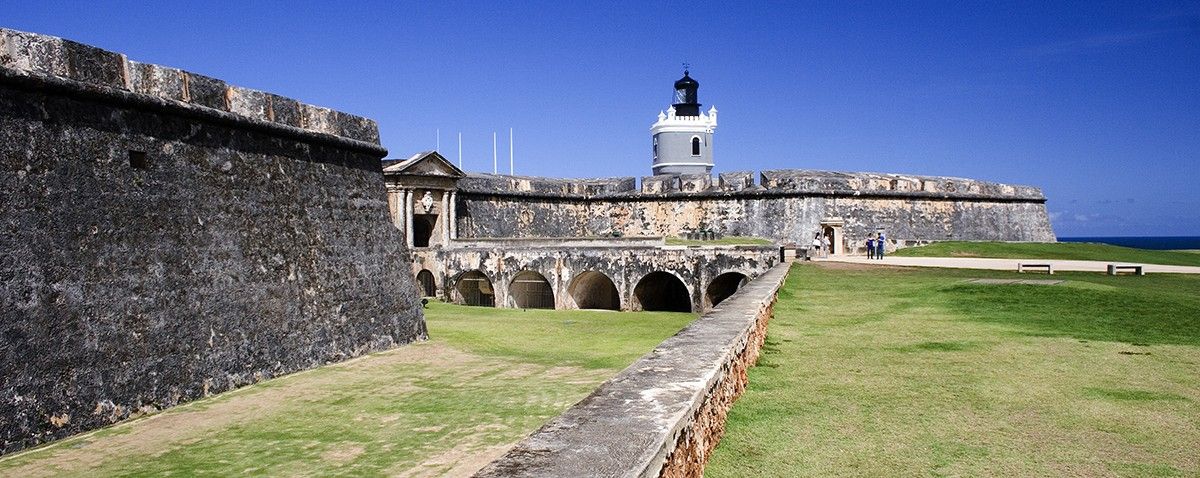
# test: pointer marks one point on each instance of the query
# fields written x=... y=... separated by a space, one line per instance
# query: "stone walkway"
x=1004 y=264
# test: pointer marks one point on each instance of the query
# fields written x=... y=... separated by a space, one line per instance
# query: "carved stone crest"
x=427 y=202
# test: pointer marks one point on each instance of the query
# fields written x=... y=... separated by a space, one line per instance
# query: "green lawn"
x=724 y=241
x=878 y=371
x=1059 y=250
x=486 y=379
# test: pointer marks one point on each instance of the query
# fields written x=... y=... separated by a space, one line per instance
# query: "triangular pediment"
x=426 y=163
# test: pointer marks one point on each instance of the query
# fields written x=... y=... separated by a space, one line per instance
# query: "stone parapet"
x=774 y=183
x=539 y=186
x=41 y=59
x=812 y=181
x=664 y=414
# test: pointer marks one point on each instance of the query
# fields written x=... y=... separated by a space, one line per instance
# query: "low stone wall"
x=664 y=414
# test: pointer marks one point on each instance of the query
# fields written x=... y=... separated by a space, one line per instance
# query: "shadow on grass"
x=1135 y=316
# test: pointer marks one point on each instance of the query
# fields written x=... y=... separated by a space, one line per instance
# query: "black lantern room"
x=686 y=102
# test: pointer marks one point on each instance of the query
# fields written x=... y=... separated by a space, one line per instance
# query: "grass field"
x=878 y=371
x=724 y=241
x=1060 y=250
x=487 y=378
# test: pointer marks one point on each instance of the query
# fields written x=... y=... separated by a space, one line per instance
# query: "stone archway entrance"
x=531 y=290
x=594 y=290
x=723 y=286
x=662 y=291
x=428 y=286
x=474 y=288
x=831 y=230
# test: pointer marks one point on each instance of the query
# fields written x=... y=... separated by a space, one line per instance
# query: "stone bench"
x=1137 y=269
x=1023 y=266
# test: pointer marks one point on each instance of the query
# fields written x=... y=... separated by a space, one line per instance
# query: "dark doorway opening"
x=531 y=290
x=724 y=286
x=662 y=291
x=428 y=287
x=474 y=288
x=594 y=290
x=423 y=229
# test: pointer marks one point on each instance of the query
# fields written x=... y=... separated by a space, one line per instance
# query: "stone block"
x=663 y=183
x=248 y=103
x=694 y=183
x=93 y=65
x=285 y=110
x=155 y=80
x=357 y=127
x=205 y=91
x=736 y=180
x=33 y=52
x=321 y=120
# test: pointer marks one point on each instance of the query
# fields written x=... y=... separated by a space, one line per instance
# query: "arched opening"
x=724 y=286
x=695 y=146
x=530 y=290
x=474 y=288
x=423 y=229
x=662 y=291
x=428 y=287
x=594 y=290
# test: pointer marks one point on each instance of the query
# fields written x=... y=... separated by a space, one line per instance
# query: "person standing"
x=879 y=246
x=870 y=247
x=816 y=244
x=825 y=246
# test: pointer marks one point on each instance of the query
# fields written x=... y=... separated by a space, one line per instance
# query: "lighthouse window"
x=656 y=147
x=695 y=146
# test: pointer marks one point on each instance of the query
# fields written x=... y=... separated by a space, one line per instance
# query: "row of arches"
x=656 y=291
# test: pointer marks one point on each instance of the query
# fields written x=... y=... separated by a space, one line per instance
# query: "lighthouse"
x=682 y=136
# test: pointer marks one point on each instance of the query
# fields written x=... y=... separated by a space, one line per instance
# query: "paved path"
x=1004 y=264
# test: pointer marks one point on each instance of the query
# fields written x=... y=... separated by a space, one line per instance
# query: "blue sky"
x=1098 y=103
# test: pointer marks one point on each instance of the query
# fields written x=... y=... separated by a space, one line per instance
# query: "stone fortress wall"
x=785 y=205
x=167 y=236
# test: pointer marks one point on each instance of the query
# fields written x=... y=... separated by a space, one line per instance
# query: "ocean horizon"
x=1141 y=242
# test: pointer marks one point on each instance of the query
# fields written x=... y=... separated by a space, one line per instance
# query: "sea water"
x=1143 y=242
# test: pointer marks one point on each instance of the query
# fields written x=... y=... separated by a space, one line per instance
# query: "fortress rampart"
x=167 y=236
x=785 y=205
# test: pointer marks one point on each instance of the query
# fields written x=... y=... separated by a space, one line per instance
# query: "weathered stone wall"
x=788 y=206
x=664 y=414
x=166 y=236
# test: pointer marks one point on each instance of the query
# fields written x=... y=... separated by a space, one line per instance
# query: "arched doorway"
x=724 y=286
x=428 y=287
x=474 y=288
x=531 y=290
x=423 y=229
x=594 y=290
x=662 y=291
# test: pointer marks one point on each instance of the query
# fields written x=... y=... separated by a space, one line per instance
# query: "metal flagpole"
x=494 y=165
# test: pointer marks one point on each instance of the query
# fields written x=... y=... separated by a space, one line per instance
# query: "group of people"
x=875 y=247
x=820 y=245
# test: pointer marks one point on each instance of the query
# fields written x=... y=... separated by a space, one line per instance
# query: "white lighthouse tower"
x=682 y=136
